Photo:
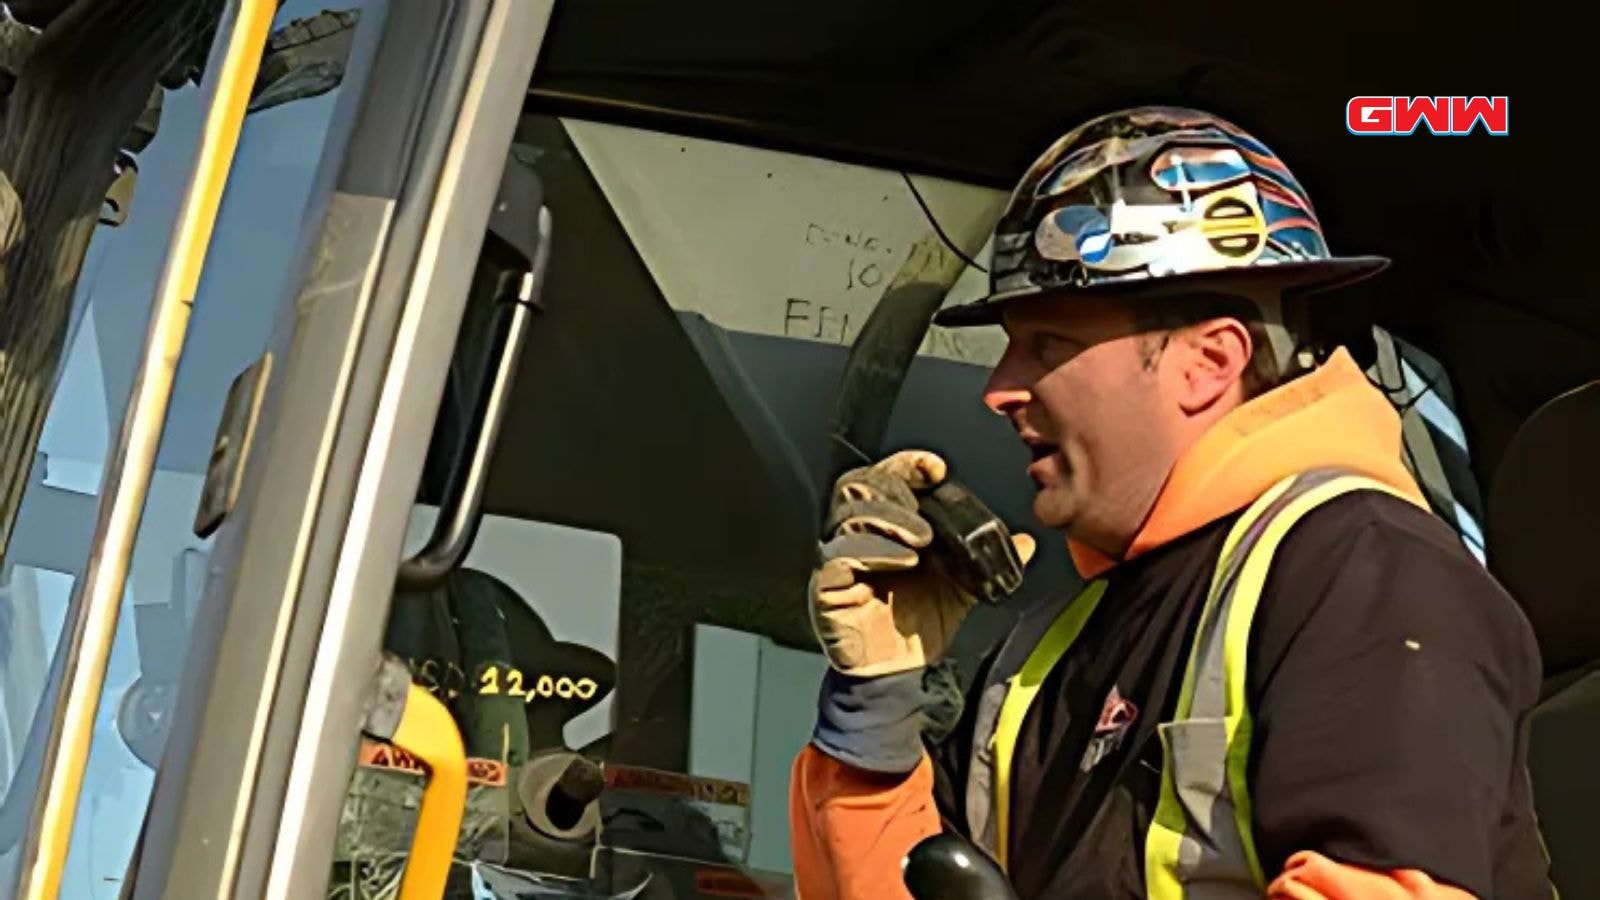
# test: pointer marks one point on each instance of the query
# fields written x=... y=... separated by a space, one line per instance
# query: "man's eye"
x=1054 y=349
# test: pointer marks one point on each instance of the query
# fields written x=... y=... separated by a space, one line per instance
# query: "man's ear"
x=1216 y=355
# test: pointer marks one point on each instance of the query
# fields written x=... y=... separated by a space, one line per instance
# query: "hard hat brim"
x=1293 y=278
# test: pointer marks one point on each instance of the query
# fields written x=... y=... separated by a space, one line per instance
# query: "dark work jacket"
x=1389 y=678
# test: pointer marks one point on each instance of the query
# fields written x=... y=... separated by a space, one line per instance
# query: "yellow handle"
x=428 y=732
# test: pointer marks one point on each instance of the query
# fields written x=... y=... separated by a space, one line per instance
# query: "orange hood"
x=1329 y=417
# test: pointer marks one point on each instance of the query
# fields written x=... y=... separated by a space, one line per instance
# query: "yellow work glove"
x=879 y=604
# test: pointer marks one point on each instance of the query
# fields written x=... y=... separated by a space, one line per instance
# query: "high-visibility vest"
x=1200 y=835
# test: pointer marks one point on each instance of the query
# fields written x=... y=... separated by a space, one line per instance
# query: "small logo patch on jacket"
x=1116 y=717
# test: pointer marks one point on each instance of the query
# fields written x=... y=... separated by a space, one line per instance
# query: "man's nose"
x=1006 y=400
x=1007 y=391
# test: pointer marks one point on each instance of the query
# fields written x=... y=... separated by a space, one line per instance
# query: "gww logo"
x=1442 y=115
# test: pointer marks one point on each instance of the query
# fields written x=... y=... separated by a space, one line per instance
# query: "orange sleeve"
x=1312 y=876
x=849 y=829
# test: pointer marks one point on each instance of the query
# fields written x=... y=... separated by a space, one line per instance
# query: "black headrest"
x=1544 y=526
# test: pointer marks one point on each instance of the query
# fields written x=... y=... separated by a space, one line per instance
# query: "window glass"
x=236 y=307
x=650 y=517
x=55 y=525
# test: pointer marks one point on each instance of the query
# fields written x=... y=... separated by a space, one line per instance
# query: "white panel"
x=722 y=711
x=779 y=244
x=785 y=719
x=755 y=706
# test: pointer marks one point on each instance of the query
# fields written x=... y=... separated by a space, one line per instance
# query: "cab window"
x=636 y=584
x=235 y=310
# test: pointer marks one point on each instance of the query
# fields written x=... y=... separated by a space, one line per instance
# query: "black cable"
x=1419 y=396
x=1395 y=393
x=938 y=230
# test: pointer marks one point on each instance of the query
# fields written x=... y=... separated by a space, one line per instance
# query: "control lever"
x=947 y=867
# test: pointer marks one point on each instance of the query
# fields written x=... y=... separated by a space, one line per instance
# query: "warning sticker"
x=726 y=883
x=657 y=781
x=379 y=755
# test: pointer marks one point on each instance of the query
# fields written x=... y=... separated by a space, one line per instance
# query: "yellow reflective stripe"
x=1164 y=841
x=1240 y=727
x=1165 y=837
x=1236 y=640
x=1020 y=691
x=1214 y=594
x=1240 y=528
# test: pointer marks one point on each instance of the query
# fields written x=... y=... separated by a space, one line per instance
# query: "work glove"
x=884 y=608
x=881 y=602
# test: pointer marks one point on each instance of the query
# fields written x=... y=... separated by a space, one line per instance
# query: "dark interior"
x=1541 y=529
x=1487 y=233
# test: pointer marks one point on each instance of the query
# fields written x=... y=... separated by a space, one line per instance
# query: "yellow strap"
x=1168 y=824
x=1236 y=639
x=1020 y=691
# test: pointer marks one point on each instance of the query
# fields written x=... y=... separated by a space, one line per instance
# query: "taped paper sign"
x=688 y=816
x=697 y=787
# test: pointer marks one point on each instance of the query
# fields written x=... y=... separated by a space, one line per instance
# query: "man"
x=1286 y=677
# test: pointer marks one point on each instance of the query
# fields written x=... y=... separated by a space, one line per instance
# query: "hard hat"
x=1158 y=200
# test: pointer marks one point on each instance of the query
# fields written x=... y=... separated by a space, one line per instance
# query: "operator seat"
x=1543 y=531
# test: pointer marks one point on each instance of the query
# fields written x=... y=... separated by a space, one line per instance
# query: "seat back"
x=1543 y=529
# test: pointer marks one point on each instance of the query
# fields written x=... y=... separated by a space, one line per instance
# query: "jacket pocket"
x=1197 y=751
x=1212 y=847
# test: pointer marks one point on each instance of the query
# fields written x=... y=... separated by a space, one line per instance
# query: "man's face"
x=1096 y=403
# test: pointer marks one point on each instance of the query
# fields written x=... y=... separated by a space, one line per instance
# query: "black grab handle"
x=520 y=223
